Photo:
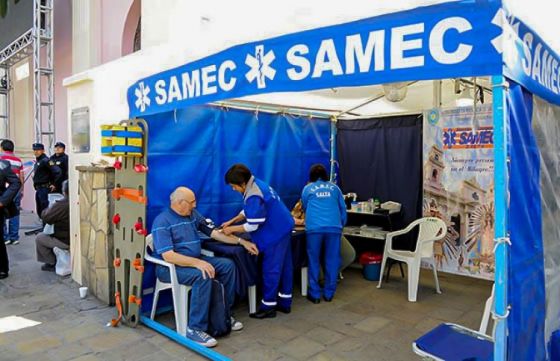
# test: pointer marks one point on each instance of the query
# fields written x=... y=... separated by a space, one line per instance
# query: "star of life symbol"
x=260 y=66
x=142 y=98
x=505 y=43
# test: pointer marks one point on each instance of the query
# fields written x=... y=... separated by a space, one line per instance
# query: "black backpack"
x=219 y=316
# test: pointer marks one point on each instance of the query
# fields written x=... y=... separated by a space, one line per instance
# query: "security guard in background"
x=60 y=159
x=47 y=176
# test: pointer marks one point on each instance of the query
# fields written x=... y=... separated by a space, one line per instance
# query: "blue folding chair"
x=452 y=342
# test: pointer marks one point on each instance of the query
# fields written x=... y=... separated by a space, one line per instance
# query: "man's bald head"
x=183 y=201
x=181 y=193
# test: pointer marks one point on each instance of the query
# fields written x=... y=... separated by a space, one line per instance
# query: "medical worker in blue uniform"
x=325 y=215
x=270 y=224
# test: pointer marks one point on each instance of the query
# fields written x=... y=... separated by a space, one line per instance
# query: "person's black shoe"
x=264 y=314
x=48 y=267
x=283 y=309
x=313 y=299
x=3 y=275
x=327 y=299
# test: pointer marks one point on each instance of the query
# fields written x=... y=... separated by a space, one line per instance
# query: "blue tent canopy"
x=449 y=40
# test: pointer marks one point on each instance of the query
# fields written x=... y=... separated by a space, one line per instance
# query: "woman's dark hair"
x=7 y=145
x=318 y=171
x=238 y=174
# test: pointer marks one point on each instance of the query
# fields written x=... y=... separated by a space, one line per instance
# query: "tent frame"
x=501 y=181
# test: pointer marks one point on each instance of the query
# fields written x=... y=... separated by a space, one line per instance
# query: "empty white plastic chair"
x=488 y=306
x=430 y=229
x=180 y=292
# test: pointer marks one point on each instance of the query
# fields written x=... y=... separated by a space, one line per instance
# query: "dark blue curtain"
x=526 y=292
x=382 y=158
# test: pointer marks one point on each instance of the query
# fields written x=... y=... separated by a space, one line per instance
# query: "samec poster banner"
x=459 y=187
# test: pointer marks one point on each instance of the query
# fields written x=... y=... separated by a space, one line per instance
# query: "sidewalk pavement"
x=362 y=322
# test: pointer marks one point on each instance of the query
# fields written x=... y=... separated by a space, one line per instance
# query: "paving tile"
x=372 y=324
x=257 y=353
x=129 y=351
x=10 y=355
x=82 y=331
x=25 y=334
x=301 y=348
x=361 y=308
x=452 y=315
x=68 y=351
x=327 y=356
x=347 y=344
x=5 y=340
x=388 y=351
x=286 y=358
x=324 y=335
x=300 y=325
x=110 y=340
x=164 y=356
x=427 y=324
x=36 y=345
x=87 y=358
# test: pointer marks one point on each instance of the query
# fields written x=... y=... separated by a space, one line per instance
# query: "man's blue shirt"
x=171 y=231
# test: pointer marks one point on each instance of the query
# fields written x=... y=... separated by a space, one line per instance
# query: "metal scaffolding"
x=4 y=101
x=36 y=43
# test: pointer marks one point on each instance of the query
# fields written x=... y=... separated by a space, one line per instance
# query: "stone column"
x=96 y=236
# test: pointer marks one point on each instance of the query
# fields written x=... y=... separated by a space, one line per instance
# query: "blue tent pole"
x=166 y=331
x=333 y=148
x=501 y=204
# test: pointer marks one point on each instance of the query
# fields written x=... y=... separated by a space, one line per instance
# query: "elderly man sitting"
x=176 y=241
x=58 y=215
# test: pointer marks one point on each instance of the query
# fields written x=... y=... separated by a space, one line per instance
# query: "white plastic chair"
x=488 y=306
x=431 y=229
x=304 y=281
x=179 y=292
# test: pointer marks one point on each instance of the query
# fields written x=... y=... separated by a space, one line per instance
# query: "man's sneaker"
x=15 y=241
x=7 y=242
x=236 y=325
x=201 y=337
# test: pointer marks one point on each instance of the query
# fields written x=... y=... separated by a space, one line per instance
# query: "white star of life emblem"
x=506 y=42
x=260 y=66
x=142 y=98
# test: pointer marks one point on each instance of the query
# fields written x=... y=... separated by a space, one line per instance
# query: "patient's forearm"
x=219 y=236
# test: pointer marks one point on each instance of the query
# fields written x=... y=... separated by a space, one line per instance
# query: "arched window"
x=131 y=38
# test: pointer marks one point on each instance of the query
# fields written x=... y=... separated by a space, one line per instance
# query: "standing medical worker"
x=270 y=224
x=325 y=215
